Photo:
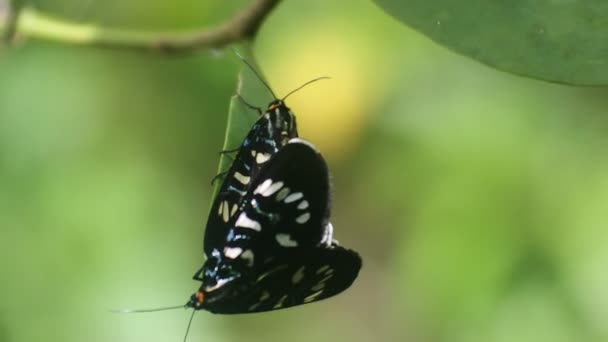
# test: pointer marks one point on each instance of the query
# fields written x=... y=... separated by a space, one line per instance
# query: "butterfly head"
x=278 y=103
x=282 y=120
x=196 y=300
x=220 y=281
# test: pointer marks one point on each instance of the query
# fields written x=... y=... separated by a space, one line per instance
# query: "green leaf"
x=240 y=116
x=564 y=41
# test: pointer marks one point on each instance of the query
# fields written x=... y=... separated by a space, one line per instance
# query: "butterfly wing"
x=298 y=276
x=272 y=131
x=288 y=203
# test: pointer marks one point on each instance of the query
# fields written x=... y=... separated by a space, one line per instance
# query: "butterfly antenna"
x=149 y=310
x=305 y=84
x=189 y=324
x=255 y=72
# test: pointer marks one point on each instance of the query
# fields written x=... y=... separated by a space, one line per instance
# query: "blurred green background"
x=477 y=199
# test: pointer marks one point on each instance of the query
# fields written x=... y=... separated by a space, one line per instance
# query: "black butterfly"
x=275 y=127
x=275 y=249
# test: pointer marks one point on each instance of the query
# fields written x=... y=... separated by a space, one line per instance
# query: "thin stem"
x=9 y=12
x=242 y=26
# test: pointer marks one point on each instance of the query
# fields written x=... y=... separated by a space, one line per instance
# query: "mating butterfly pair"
x=268 y=242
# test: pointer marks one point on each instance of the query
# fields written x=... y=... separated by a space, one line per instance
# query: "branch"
x=28 y=23
x=9 y=10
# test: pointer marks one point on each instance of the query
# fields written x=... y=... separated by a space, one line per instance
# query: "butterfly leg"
x=198 y=275
x=227 y=153
x=258 y=109
x=230 y=151
x=218 y=176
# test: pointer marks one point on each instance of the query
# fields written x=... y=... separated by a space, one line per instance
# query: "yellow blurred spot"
x=331 y=113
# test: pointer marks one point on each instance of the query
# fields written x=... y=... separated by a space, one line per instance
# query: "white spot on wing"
x=298 y=276
x=262 y=187
x=262 y=157
x=294 y=197
x=242 y=178
x=232 y=252
x=312 y=296
x=285 y=240
x=265 y=295
x=272 y=189
x=253 y=153
x=234 y=207
x=219 y=284
x=279 y=304
x=226 y=212
x=322 y=269
x=303 y=205
x=326 y=278
x=245 y=222
x=303 y=218
x=318 y=287
x=266 y=274
x=248 y=256
x=282 y=194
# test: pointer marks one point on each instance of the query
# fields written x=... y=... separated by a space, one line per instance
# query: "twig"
x=242 y=26
x=9 y=12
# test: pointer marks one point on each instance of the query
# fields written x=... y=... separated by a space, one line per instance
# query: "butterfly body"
x=269 y=133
